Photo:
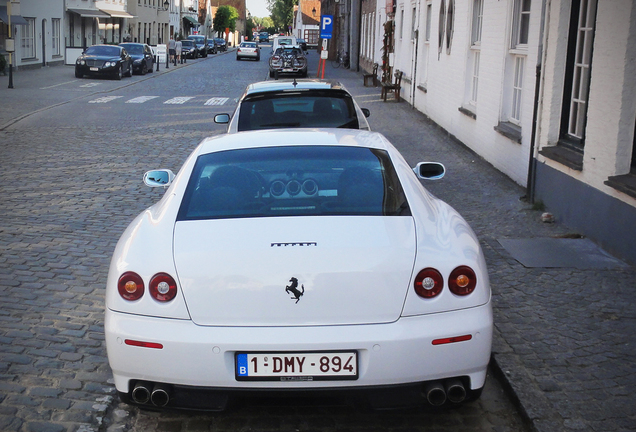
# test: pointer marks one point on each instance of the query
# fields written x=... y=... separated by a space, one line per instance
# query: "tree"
x=225 y=17
x=282 y=13
x=249 y=28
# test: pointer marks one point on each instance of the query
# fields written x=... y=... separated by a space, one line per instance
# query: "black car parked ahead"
x=189 y=49
x=104 y=60
x=143 y=59
x=221 y=44
x=201 y=43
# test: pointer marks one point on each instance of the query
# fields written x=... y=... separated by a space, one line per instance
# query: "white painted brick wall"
x=447 y=75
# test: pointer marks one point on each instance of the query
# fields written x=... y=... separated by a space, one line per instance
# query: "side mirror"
x=222 y=118
x=366 y=112
x=430 y=170
x=158 y=178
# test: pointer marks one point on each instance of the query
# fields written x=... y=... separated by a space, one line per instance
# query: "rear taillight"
x=429 y=283
x=462 y=281
x=163 y=287
x=130 y=286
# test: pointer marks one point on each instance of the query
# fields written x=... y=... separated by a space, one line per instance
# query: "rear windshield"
x=293 y=181
x=298 y=109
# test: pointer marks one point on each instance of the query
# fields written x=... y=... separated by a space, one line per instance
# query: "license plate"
x=94 y=69
x=287 y=366
x=288 y=70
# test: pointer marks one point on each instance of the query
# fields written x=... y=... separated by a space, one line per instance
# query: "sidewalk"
x=565 y=334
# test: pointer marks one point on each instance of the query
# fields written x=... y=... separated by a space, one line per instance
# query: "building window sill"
x=624 y=183
x=467 y=112
x=510 y=131
x=566 y=156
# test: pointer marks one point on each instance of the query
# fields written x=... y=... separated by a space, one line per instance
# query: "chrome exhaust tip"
x=160 y=395
x=435 y=393
x=455 y=391
x=141 y=392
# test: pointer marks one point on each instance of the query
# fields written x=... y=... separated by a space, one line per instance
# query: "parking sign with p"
x=326 y=26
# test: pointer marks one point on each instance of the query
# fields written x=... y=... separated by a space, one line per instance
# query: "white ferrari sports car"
x=298 y=260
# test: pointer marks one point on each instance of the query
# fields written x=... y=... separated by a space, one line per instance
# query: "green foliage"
x=225 y=17
x=249 y=28
x=282 y=13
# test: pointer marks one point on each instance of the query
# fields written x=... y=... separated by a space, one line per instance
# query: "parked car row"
x=117 y=61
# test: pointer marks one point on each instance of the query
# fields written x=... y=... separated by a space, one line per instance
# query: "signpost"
x=326 y=31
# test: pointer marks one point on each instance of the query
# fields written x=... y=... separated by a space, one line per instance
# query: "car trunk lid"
x=290 y=271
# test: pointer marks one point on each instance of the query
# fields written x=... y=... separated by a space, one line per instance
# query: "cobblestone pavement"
x=564 y=338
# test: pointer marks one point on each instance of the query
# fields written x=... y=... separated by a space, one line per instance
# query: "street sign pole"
x=326 y=31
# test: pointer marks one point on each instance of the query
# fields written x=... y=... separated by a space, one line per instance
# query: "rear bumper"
x=398 y=354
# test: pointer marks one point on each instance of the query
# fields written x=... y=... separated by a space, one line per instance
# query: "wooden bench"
x=394 y=87
x=373 y=75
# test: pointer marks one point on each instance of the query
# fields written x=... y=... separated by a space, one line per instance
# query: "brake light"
x=429 y=283
x=130 y=286
x=163 y=287
x=462 y=281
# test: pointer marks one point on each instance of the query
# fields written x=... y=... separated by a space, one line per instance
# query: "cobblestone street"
x=565 y=338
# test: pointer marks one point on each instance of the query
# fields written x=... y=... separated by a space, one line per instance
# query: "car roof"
x=279 y=85
x=295 y=137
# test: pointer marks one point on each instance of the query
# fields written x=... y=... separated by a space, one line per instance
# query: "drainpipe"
x=532 y=161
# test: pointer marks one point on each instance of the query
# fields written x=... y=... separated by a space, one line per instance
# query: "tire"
x=129 y=73
x=258 y=58
x=237 y=58
x=119 y=74
x=152 y=67
x=78 y=74
x=335 y=64
x=144 y=68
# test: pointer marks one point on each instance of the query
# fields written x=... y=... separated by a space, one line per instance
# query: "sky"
x=258 y=8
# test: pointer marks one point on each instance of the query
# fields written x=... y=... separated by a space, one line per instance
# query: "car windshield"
x=188 y=43
x=312 y=108
x=293 y=181
x=248 y=45
x=103 y=50
x=135 y=49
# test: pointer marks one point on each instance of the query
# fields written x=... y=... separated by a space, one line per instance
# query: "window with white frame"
x=55 y=36
x=413 y=23
x=450 y=25
x=512 y=109
x=520 y=23
x=27 y=41
x=517 y=89
x=475 y=50
x=440 y=28
x=478 y=17
x=429 y=13
x=578 y=65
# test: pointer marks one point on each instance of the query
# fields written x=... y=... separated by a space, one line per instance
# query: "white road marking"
x=90 y=85
x=216 y=101
x=141 y=99
x=178 y=100
x=105 y=99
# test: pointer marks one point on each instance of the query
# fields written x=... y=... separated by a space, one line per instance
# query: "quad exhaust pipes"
x=438 y=392
x=158 y=396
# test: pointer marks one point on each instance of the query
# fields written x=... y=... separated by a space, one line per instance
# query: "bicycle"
x=341 y=60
